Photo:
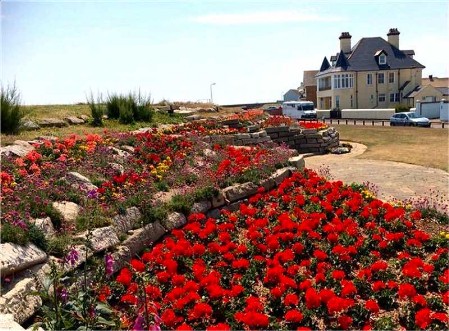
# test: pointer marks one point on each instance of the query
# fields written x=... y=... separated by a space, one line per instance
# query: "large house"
x=374 y=73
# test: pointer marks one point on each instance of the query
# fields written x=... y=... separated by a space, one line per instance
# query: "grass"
x=420 y=146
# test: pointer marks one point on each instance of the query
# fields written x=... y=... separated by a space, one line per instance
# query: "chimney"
x=345 y=42
x=393 y=37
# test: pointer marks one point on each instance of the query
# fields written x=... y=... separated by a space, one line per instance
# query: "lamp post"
x=211 y=98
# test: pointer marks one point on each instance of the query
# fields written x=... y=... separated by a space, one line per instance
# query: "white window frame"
x=369 y=79
x=343 y=81
x=395 y=97
x=391 y=74
x=382 y=59
x=381 y=96
x=380 y=74
x=337 y=101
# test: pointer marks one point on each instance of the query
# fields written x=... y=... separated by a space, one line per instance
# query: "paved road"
x=394 y=179
x=435 y=124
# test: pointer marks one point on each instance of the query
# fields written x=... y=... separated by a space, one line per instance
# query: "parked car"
x=299 y=109
x=409 y=119
x=274 y=110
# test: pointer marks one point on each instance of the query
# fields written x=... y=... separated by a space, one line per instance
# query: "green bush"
x=96 y=109
x=13 y=234
x=11 y=111
x=401 y=108
x=113 y=106
x=129 y=108
x=126 y=112
x=37 y=237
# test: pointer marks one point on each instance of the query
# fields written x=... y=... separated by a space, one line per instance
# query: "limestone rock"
x=340 y=150
x=103 y=238
x=29 y=125
x=20 y=302
x=121 y=256
x=118 y=168
x=281 y=174
x=201 y=207
x=14 y=258
x=69 y=210
x=174 y=221
x=126 y=222
x=45 y=225
x=7 y=323
x=19 y=148
x=85 y=118
x=74 y=120
x=80 y=181
x=297 y=162
x=218 y=200
x=143 y=237
x=52 y=122
x=240 y=191
x=120 y=153
x=127 y=148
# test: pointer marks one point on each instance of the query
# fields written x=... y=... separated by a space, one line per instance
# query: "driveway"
x=394 y=180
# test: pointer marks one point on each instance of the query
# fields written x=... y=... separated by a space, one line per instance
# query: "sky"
x=254 y=51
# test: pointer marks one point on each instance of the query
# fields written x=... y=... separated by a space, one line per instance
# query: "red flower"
x=129 y=298
x=169 y=318
x=337 y=305
x=422 y=318
x=184 y=327
x=406 y=291
x=124 y=277
x=137 y=265
x=312 y=298
x=291 y=300
x=372 y=306
x=345 y=322
x=338 y=274
x=200 y=310
x=293 y=316
x=240 y=264
x=219 y=327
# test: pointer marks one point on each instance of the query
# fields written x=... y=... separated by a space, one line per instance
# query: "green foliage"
x=113 y=106
x=205 y=193
x=96 y=109
x=37 y=237
x=57 y=246
x=153 y=214
x=384 y=323
x=91 y=220
x=435 y=214
x=11 y=110
x=129 y=108
x=13 y=234
x=401 y=108
x=181 y=204
x=126 y=112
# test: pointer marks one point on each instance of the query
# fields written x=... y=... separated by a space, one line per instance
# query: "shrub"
x=13 y=234
x=96 y=110
x=113 y=106
x=126 y=112
x=37 y=237
x=11 y=111
x=401 y=108
x=130 y=108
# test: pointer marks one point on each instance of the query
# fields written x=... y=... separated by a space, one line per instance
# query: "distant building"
x=432 y=89
x=292 y=95
x=309 y=86
x=374 y=73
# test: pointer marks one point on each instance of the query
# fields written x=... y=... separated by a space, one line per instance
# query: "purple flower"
x=109 y=264
x=92 y=194
x=63 y=294
x=71 y=257
x=138 y=323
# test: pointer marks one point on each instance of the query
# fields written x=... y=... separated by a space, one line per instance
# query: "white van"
x=299 y=109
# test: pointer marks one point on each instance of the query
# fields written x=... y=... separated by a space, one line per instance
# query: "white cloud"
x=278 y=16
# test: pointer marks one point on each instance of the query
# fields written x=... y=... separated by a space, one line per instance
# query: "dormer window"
x=382 y=59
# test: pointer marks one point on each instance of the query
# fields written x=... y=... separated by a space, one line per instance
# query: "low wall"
x=432 y=110
x=372 y=114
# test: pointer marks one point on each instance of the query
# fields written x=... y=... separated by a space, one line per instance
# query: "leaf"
x=104 y=309
x=103 y=321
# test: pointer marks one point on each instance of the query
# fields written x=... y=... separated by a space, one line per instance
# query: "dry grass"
x=55 y=111
x=420 y=146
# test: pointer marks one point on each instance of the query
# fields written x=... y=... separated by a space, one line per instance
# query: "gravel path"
x=394 y=179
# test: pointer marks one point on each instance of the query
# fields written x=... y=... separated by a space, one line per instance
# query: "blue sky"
x=57 y=52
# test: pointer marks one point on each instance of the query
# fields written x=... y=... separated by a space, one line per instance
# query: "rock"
x=174 y=221
x=80 y=181
x=69 y=210
x=52 y=122
x=74 y=120
x=45 y=225
x=201 y=207
x=268 y=184
x=19 y=148
x=83 y=253
x=143 y=237
x=281 y=174
x=85 y=118
x=239 y=191
x=126 y=222
x=121 y=256
x=20 y=302
x=120 y=153
x=29 y=125
x=7 y=323
x=214 y=213
x=127 y=148
x=218 y=200
x=193 y=117
x=103 y=238
x=118 y=168
x=340 y=150
x=297 y=162
x=14 y=258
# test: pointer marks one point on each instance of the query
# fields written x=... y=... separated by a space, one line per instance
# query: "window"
x=352 y=102
x=343 y=81
x=381 y=78
x=391 y=77
x=381 y=97
x=382 y=59
x=394 y=97
x=337 y=101
x=369 y=79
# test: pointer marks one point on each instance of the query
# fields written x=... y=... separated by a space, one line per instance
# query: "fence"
x=369 y=122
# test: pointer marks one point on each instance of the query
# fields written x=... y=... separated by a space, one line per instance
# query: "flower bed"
x=310 y=254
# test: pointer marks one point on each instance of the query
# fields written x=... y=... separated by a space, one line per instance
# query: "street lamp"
x=211 y=98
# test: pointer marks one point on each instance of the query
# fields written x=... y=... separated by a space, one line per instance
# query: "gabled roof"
x=292 y=91
x=342 y=61
x=325 y=65
x=435 y=81
x=363 y=56
x=444 y=90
